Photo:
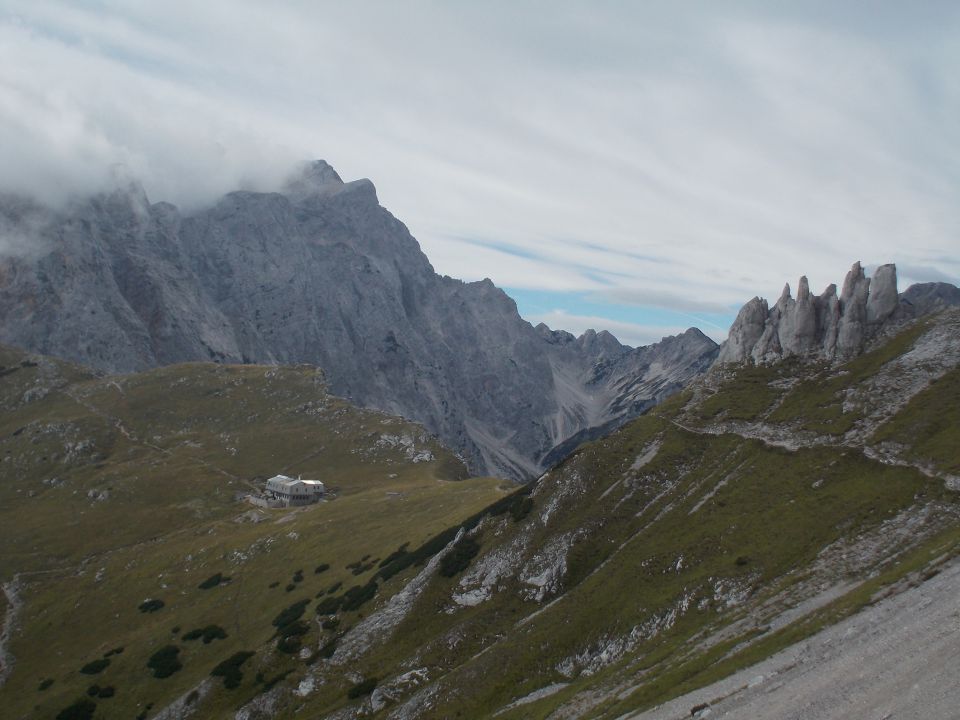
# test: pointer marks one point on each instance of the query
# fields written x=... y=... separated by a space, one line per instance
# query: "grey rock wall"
x=322 y=274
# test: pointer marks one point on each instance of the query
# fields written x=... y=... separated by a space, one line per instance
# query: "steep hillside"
x=724 y=525
x=121 y=518
x=321 y=273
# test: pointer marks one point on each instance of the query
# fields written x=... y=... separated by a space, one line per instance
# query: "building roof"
x=288 y=482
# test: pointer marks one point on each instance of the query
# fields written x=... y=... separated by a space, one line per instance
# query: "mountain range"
x=322 y=274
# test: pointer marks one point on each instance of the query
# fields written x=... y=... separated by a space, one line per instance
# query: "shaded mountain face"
x=322 y=274
x=828 y=327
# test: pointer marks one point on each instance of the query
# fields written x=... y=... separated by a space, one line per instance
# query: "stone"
x=828 y=327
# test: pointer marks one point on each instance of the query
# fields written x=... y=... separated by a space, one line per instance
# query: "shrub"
x=149 y=606
x=459 y=557
x=521 y=507
x=229 y=669
x=289 y=645
x=358 y=595
x=328 y=649
x=95 y=667
x=82 y=709
x=208 y=633
x=93 y=690
x=175 y=630
x=291 y=614
x=268 y=684
x=115 y=651
x=298 y=576
x=333 y=588
x=44 y=684
x=330 y=624
x=395 y=555
x=192 y=697
x=106 y=692
x=297 y=627
x=213 y=581
x=164 y=662
x=290 y=588
x=329 y=605
x=364 y=687
x=275 y=583
x=322 y=567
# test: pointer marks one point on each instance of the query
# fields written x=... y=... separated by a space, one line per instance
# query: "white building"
x=294 y=491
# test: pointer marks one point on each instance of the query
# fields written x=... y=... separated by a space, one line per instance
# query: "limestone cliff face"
x=825 y=326
x=322 y=274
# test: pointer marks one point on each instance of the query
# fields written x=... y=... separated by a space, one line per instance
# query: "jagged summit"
x=826 y=326
x=321 y=273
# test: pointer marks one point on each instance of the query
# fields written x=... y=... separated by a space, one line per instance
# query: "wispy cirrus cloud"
x=680 y=156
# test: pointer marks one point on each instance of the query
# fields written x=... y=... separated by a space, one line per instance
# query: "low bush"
x=44 y=684
x=328 y=649
x=330 y=624
x=364 y=687
x=298 y=576
x=459 y=557
x=149 y=606
x=275 y=583
x=358 y=595
x=208 y=633
x=95 y=667
x=296 y=628
x=229 y=669
x=291 y=587
x=82 y=709
x=164 y=662
x=213 y=581
x=329 y=605
x=333 y=588
x=93 y=690
x=115 y=651
x=290 y=645
x=106 y=692
x=291 y=614
x=521 y=507
x=322 y=567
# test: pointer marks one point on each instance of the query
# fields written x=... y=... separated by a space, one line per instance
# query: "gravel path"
x=895 y=660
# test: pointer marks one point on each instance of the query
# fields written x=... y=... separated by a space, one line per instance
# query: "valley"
x=749 y=512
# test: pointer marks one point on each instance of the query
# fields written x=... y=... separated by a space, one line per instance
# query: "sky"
x=637 y=167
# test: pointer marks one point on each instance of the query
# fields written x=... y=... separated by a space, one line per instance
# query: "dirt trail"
x=895 y=659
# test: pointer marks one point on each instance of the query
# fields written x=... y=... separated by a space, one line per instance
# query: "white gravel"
x=897 y=659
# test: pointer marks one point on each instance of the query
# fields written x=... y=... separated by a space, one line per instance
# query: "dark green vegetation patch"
x=95 y=667
x=229 y=669
x=82 y=709
x=165 y=661
x=149 y=606
x=208 y=633
x=362 y=688
x=213 y=581
x=459 y=557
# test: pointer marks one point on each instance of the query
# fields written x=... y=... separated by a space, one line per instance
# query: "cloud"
x=689 y=157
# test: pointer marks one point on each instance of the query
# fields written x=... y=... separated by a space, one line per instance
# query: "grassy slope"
x=684 y=546
x=172 y=448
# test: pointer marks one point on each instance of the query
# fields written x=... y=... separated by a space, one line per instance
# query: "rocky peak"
x=313 y=178
x=821 y=326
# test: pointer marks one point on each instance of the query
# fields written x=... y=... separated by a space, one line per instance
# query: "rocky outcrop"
x=825 y=326
x=322 y=274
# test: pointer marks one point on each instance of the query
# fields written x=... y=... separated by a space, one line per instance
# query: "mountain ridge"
x=321 y=273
